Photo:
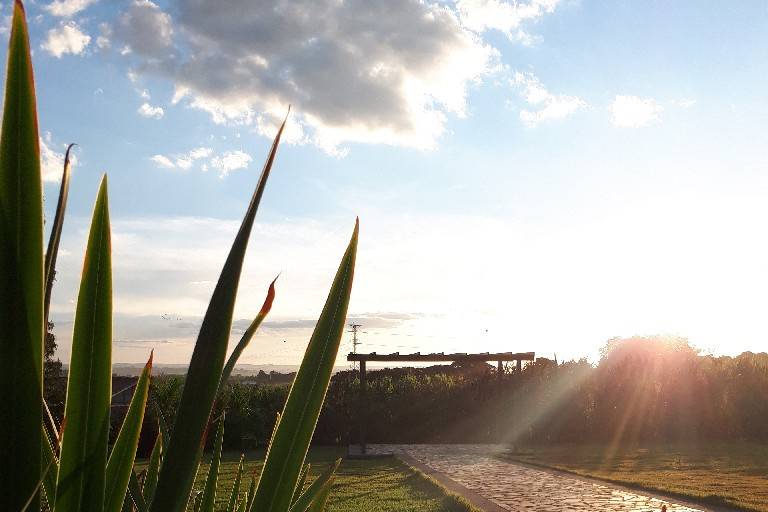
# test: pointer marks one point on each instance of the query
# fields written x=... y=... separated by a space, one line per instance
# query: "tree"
x=53 y=383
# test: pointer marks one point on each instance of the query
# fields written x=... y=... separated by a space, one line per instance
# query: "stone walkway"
x=517 y=487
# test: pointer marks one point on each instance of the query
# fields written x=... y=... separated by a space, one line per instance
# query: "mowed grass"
x=379 y=485
x=733 y=474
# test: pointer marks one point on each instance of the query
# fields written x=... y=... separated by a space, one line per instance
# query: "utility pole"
x=355 y=329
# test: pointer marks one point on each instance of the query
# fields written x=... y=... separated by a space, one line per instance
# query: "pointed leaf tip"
x=267 y=306
x=148 y=366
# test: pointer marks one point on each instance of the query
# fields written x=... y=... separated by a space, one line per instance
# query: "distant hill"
x=245 y=370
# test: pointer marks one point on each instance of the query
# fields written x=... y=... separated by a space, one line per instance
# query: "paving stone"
x=516 y=487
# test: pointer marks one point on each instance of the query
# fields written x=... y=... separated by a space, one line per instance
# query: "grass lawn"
x=734 y=474
x=380 y=485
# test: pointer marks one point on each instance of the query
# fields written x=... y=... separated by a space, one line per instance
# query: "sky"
x=540 y=175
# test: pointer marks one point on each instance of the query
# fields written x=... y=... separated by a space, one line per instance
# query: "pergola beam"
x=441 y=357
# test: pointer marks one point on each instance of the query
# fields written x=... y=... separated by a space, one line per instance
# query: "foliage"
x=643 y=389
x=72 y=462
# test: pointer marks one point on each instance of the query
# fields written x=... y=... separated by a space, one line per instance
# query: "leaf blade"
x=205 y=368
x=247 y=335
x=300 y=486
x=21 y=275
x=123 y=454
x=55 y=237
x=290 y=443
x=208 y=500
x=83 y=461
x=155 y=459
x=232 y=504
x=314 y=491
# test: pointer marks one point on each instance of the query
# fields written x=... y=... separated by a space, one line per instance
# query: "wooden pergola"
x=418 y=357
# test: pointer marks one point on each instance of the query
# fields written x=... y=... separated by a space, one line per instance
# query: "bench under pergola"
x=418 y=357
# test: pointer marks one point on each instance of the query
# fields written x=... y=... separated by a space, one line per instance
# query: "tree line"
x=643 y=389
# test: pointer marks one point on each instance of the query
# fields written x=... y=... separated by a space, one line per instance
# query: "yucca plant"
x=70 y=467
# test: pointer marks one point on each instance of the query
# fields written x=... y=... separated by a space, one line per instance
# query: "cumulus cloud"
x=163 y=161
x=231 y=161
x=147 y=110
x=354 y=71
x=634 y=112
x=145 y=29
x=507 y=17
x=65 y=39
x=186 y=161
x=67 y=8
x=548 y=106
x=52 y=161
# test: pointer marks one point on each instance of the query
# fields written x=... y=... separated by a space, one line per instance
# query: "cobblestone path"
x=517 y=487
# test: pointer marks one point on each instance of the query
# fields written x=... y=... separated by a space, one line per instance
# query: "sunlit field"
x=370 y=485
x=733 y=473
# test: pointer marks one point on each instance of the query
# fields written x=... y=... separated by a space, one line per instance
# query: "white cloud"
x=201 y=152
x=389 y=72
x=507 y=17
x=634 y=112
x=163 y=161
x=52 y=161
x=549 y=106
x=65 y=39
x=67 y=8
x=147 y=110
x=230 y=161
x=183 y=161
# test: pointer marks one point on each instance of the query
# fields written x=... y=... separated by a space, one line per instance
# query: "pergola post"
x=363 y=411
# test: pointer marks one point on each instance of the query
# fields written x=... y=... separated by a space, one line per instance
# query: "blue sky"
x=534 y=176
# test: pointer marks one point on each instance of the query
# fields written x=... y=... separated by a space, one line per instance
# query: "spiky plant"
x=70 y=467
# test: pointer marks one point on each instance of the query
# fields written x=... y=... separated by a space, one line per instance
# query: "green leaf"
x=236 y=487
x=300 y=485
x=123 y=453
x=243 y=506
x=319 y=504
x=249 y=332
x=209 y=493
x=150 y=479
x=83 y=460
x=288 y=448
x=55 y=236
x=205 y=368
x=162 y=425
x=251 y=494
x=34 y=496
x=21 y=277
x=313 y=492
x=49 y=456
x=134 y=491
